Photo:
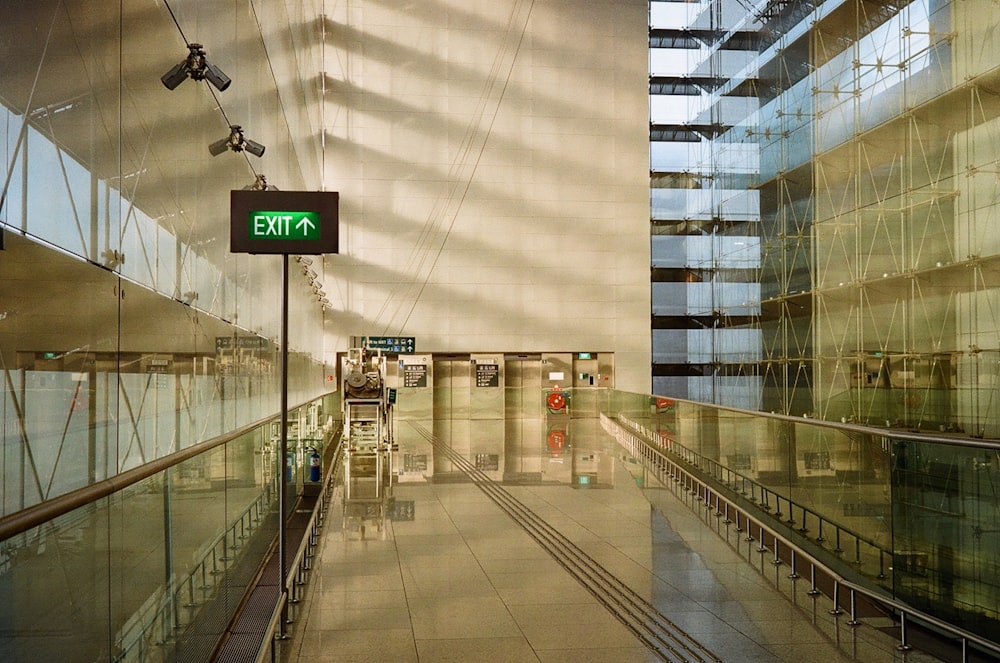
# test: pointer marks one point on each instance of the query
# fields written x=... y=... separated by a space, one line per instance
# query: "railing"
x=144 y=629
x=301 y=564
x=864 y=549
x=672 y=467
x=143 y=554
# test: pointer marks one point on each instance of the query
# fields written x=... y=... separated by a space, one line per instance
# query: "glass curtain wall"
x=905 y=265
x=704 y=216
x=855 y=143
x=127 y=329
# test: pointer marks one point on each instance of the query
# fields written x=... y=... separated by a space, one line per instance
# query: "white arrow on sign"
x=305 y=224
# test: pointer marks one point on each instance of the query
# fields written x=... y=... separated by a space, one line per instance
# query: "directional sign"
x=272 y=224
x=396 y=344
x=299 y=222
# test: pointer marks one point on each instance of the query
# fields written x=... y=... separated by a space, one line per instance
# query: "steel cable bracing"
x=662 y=636
x=23 y=132
x=215 y=95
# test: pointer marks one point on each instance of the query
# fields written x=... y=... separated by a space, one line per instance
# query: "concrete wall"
x=492 y=161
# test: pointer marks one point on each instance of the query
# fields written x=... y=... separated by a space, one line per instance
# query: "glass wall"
x=866 y=135
x=127 y=329
x=704 y=217
x=155 y=571
x=914 y=516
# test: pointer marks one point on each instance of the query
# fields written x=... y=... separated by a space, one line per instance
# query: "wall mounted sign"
x=395 y=344
x=415 y=375
x=487 y=375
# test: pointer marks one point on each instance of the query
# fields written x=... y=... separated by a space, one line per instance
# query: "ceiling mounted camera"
x=197 y=68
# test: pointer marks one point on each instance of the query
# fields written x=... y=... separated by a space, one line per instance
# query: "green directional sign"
x=272 y=224
x=398 y=344
x=299 y=222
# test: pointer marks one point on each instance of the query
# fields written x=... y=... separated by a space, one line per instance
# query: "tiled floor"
x=462 y=582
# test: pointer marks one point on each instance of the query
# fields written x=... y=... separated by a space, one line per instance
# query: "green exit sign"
x=284 y=225
x=284 y=222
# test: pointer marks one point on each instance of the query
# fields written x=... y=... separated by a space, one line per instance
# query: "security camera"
x=236 y=142
x=253 y=148
x=197 y=68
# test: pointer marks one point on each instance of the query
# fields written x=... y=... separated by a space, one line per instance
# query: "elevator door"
x=451 y=407
x=523 y=424
x=523 y=394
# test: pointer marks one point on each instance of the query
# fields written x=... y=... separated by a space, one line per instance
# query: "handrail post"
x=853 y=621
x=813 y=590
x=836 y=599
x=903 y=645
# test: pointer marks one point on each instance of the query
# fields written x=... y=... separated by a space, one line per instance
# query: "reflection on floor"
x=461 y=582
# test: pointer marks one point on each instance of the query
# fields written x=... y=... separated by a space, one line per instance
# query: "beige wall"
x=492 y=160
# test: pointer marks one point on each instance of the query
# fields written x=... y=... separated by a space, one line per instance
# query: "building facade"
x=839 y=159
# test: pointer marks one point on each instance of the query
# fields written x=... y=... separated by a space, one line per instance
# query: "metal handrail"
x=956 y=440
x=717 y=470
x=905 y=611
x=272 y=627
x=275 y=631
x=167 y=608
x=309 y=540
x=39 y=514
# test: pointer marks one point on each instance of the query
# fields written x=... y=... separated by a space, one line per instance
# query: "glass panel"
x=912 y=516
x=140 y=569
x=945 y=514
x=69 y=558
x=60 y=387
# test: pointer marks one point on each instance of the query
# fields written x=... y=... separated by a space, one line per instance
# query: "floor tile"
x=463 y=582
x=494 y=650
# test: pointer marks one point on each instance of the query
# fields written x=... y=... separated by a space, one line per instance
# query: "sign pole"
x=283 y=483
x=283 y=222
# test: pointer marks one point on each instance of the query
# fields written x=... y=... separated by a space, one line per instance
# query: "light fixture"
x=197 y=68
x=260 y=184
x=236 y=142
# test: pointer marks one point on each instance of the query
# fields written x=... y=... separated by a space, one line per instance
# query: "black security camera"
x=197 y=68
x=236 y=142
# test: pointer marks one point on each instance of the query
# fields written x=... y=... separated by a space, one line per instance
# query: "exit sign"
x=273 y=224
x=284 y=222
